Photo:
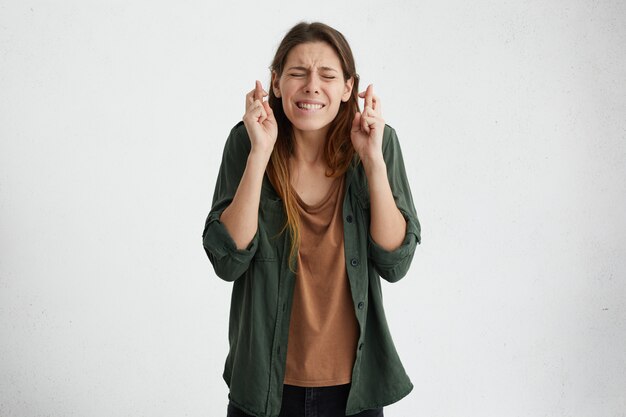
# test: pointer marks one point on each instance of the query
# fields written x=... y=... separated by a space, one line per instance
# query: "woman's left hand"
x=367 y=128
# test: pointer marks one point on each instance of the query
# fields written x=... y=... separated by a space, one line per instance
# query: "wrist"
x=374 y=164
x=258 y=156
x=257 y=164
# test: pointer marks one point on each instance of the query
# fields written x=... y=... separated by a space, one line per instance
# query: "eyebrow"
x=306 y=69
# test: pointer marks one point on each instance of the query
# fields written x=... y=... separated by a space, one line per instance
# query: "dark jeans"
x=313 y=402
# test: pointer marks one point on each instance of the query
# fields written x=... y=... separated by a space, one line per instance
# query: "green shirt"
x=263 y=285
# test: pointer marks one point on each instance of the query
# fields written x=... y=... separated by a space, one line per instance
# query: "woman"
x=311 y=208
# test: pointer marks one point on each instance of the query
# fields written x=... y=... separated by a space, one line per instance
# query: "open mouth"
x=309 y=106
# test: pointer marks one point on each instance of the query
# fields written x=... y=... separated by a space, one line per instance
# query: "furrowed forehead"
x=313 y=55
x=307 y=68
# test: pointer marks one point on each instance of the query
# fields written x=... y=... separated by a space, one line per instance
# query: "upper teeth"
x=310 y=106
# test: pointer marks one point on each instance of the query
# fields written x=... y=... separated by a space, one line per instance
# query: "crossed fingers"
x=371 y=100
x=256 y=94
x=371 y=111
x=255 y=104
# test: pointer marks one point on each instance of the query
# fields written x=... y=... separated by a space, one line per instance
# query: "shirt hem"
x=313 y=384
x=385 y=403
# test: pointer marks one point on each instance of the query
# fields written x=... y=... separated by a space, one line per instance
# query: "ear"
x=275 y=86
x=347 y=91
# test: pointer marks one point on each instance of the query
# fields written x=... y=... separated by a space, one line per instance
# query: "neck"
x=309 y=146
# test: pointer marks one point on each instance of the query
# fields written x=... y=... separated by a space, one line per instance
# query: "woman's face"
x=312 y=86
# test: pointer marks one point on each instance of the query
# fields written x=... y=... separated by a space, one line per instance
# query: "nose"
x=312 y=84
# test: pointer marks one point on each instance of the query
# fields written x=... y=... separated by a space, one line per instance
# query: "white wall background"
x=512 y=117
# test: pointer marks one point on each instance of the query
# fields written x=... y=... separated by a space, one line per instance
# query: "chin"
x=309 y=125
x=312 y=128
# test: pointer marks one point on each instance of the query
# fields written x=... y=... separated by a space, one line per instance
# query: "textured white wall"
x=113 y=116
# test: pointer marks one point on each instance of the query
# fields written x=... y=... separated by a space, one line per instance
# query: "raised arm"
x=231 y=226
x=241 y=217
x=387 y=225
x=394 y=227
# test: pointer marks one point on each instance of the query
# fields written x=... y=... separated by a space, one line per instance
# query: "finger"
x=260 y=112
x=369 y=93
x=369 y=96
x=249 y=99
x=376 y=103
x=268 y=110
x=356 y=121
x=370 y=121
x=259 y=92
x=256 y=112
x=370 y=112
x=364 y=124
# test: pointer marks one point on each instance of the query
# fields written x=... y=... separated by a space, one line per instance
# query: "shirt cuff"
x=218 y=242
x=390 y=258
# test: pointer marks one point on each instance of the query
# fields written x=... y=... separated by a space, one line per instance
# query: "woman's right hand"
x=260 y=122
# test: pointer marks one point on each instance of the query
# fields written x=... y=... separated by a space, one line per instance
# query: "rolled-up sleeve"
x=393 y=265
x=228 y=261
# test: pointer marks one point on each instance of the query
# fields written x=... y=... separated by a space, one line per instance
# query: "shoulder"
x=238 y=141
x=390 y=138
x=387 y=131
x=392 y=152
x=238 y=136
x=239 y=128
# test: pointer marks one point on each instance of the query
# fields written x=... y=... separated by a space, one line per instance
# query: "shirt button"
x=354 y=262
x=349 y=218
x=361 y=304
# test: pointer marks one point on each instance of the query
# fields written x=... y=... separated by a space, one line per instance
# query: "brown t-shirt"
x=323 y=331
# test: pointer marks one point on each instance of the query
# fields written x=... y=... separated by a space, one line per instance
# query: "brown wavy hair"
x=338 y=152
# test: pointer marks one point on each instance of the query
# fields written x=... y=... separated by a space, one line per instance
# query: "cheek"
x=340 y=92
x=289 y=87
x=337 y=98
